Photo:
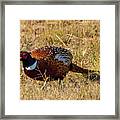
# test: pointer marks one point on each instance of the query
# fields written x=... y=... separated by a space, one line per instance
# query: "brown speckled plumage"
x=52 y=62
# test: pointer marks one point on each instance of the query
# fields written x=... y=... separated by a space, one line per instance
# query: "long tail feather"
x=91 y=74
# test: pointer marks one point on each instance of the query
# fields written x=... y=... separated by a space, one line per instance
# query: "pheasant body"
x=52 y=62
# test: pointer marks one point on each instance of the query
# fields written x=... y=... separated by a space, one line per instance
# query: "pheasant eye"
x=24 y=55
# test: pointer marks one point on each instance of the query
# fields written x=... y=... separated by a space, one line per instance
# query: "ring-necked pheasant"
x=52 y=62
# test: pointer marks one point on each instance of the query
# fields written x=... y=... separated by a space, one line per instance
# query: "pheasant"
x=51 y=62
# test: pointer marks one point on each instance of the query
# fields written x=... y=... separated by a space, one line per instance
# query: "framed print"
x=59 y=59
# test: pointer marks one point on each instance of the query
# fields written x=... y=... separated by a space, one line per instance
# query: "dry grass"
x=82 y=38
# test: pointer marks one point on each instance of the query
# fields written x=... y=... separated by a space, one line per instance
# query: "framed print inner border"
x=67 y=2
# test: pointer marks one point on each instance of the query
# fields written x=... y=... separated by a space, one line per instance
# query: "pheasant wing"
x=63 y=55
x=41 y=53
x=55 y=53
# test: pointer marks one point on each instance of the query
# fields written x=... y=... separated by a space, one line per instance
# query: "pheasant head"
x=26 y=58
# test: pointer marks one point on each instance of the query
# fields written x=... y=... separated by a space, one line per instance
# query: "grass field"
x=82 y=38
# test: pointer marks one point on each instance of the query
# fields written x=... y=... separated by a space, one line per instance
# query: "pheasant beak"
x=21 y=57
